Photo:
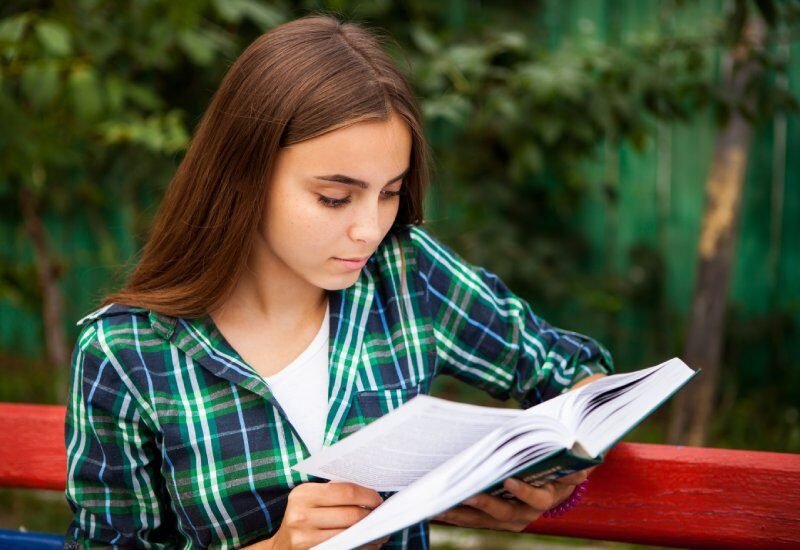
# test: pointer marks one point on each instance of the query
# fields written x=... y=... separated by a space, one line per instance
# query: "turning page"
x=401 y=447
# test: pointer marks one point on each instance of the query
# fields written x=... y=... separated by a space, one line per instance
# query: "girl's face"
x=331 y=201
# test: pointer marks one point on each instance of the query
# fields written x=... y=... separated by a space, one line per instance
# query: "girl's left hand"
x=487 y=512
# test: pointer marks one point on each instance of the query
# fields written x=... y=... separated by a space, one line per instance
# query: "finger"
x=467 y=516
x=576 y=478
x=540 y=499
x=501 y=509
x=339 y=494
x=562 y=492
x=336 y=517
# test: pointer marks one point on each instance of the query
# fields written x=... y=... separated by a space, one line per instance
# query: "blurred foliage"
x=98 y=100
x=94 y=104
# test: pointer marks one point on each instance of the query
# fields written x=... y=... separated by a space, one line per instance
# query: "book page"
x=500 y=452
x=611 y=407
x=397 y=449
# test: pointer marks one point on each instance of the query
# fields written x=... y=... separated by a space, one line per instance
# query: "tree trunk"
x=692 y=408
x=52 y=299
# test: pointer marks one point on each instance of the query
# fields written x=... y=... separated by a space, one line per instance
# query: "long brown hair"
x=298 y=81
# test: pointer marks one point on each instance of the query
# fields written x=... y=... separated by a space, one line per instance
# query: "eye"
x=333 y=203
x=390 y=194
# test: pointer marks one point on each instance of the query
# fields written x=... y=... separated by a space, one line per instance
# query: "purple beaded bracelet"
x=569 y=504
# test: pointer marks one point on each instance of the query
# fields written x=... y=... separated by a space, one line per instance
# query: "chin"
x=339 y=283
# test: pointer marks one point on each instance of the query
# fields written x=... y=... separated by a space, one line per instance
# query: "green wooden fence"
x=660 y=194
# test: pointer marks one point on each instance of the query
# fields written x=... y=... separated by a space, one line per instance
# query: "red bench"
x=648 y=494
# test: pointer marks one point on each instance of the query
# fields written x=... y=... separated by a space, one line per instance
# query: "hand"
x=316 y=512
x=487 y=512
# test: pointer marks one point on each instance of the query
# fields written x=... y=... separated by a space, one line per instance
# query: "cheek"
x=307 y=227
x=288 y=225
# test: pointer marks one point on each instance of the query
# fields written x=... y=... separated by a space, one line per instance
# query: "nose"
x=366 y=226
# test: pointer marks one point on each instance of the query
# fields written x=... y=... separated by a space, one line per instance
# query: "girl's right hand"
x=316 y=512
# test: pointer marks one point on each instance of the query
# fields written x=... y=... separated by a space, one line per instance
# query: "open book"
x=436 y=453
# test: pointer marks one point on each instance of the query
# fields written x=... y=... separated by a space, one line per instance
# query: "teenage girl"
x=287 y=296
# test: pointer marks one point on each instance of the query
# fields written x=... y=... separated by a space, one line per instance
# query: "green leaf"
x=11 y=29
x=54 y=37
x=424 y=40
x=161 y=134
x=469 y=59
x=176 y=136
x=264 y=16
x=550 y=127
x=85 y=92
x=11 y=32
x=502 y=105
x=143 y=96
x=40 y=83
x=197 y=46
x=527 y=161
x=229 y=10
x=115 y=93
x=450 y=107
x=532 y=158
x=511 y=40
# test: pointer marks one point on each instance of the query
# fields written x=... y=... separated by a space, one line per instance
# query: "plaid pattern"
x=174 y=441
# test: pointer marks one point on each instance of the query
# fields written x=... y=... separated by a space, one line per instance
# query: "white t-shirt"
x=301 y=388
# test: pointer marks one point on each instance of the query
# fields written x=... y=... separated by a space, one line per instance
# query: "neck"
x=270 y=293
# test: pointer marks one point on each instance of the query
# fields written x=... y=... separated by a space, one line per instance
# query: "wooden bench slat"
x=32 y=452
x=643 y=493
x=688 y=497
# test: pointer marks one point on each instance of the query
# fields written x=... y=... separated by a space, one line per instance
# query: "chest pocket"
x=369 y=405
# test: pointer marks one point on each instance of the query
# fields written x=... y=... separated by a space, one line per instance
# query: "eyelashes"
x=336 y=203
x=333 y=203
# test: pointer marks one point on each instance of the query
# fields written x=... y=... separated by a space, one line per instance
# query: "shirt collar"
x=204 y=344
x=201 y=341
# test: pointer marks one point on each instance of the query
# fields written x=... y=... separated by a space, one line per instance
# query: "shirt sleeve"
x=490 y=338
x=114 y=486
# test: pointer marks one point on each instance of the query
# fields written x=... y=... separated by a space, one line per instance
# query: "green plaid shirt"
x=173 y=440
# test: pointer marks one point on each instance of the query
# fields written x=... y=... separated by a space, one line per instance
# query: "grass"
x=34 y=510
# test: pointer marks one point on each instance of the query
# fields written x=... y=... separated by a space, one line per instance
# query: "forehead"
x=370 y=148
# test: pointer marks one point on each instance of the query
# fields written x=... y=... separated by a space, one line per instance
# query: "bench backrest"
x=642 y=493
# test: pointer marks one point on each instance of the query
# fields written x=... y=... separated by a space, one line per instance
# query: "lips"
x=353 y=263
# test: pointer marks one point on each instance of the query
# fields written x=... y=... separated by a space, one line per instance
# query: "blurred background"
x=629 y=167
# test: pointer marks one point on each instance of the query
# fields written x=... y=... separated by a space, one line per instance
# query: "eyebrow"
x=347 y=180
